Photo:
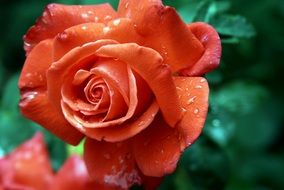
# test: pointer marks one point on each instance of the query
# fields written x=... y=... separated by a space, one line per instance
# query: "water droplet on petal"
x=191 y=100
x=84 y=15
x=106 y=29
x=116 y=22
x=196 y=111
x=96 y=19
x=126 y=5
x=107 y=17
x=183 y=110
x=198 y=87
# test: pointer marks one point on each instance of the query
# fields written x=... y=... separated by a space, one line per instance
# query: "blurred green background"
x=242 y=143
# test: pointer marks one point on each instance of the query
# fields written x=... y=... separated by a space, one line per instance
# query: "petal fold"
x=210 y=59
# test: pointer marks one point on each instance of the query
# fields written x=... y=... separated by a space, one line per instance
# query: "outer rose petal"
x=121 y=30
x=164 y=31
x=148 y=64
x=111 y=163
x=34 y=102
x=212 y=44
x=193 y=94
x=57 y=18
x=36 y=64
x=158 y=148
x=30 y=166
x=73 y=175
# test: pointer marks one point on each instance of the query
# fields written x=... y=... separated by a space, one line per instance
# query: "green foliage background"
x=242 y=143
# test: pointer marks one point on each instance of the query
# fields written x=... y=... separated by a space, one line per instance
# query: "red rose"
x=126 y=80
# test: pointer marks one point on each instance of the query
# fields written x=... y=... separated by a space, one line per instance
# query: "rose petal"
x=57 y=18
x=148 y=63
x=193 y=94
x=111 y=163
x=163 y=31
x=121 y=30
x=34 y=103
x=33 y=74
x=125 y=130
x=30 y=166
x=72 y=175
x=212 y=44
x=157 y=149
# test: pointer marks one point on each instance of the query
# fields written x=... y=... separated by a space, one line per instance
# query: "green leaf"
x=233 y=25
x=240 y=97
x=206 y=164
x=79 y=149
x=230 y=40
x=193 y=10
x=11 y=96
x=114 y=3
x=240 y=112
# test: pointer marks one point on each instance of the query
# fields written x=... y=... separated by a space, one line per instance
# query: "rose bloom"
x=129 y=81
x=28 y=168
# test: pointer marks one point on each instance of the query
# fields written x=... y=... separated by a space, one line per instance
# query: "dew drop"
x=196 y=111
x=106 y=29
x=198 y=87
x=116 y=22
x=84 y=15
x=107 y=17
x=84 y=27
x=202 y=80
x=28 y=75
x=27 y=44
x=96 y=19
x=183 y=109
x=191 y=100
x=126 y=5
